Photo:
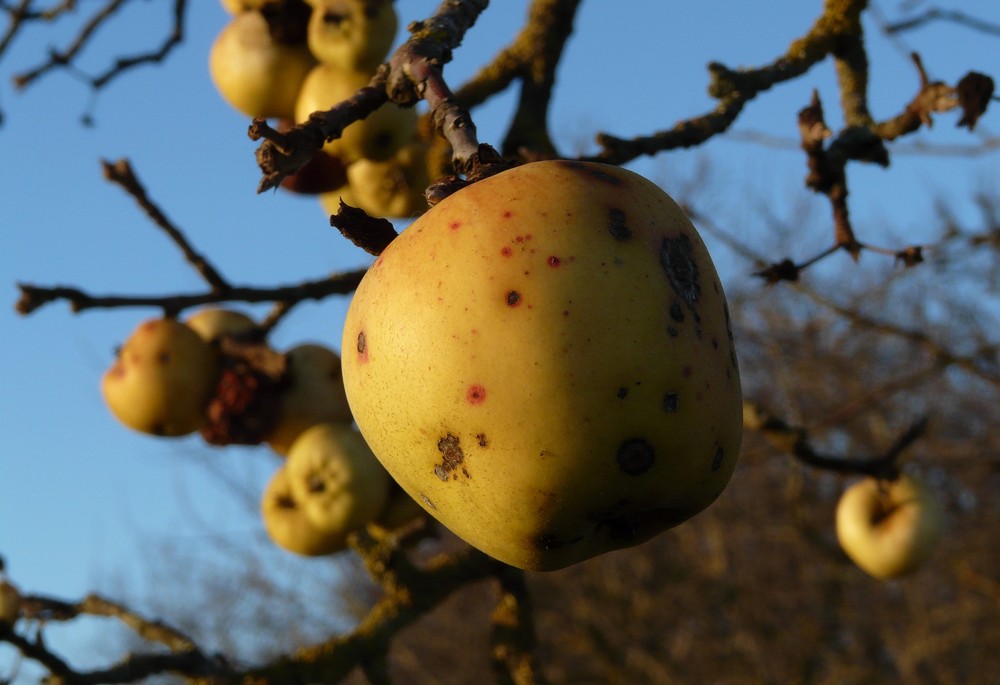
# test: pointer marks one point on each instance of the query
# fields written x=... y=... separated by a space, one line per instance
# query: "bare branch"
x=121 y=174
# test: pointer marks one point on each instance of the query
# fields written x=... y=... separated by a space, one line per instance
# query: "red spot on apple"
x=554 y=261
x=454 y=225
x=476 y=394
x=506 y=251
x=508 y=214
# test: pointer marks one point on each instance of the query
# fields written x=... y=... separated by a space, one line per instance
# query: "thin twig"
x=122 y=174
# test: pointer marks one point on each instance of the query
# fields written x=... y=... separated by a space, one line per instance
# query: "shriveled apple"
x=889 y=528
x=378 y=136
x=162 y=380
x=352 y=34
x=313 y=393
x=339 y=483
x=253 y=72
x=286 y=523
x=544 y=362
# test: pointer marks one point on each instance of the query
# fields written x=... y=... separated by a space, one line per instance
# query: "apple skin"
x=314 y=394
x=543 y=361
x=889 y=529
x=255 y=74
x=212 y=323
x=338 y=481
x=393 y=188
x=286 y=523
x=354 y=34
x=378 y=136
x=162 y=380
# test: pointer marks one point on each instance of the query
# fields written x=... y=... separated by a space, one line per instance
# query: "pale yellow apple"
x=255 y=74
x=889 y=528
x=378 y=136
x=237 y=6
x=286 y=523
x=313 y=393
x=338 y=481
x=544 y=362
x=393 y=188
x=212 y=323
x=352 y=34
x=162 y=380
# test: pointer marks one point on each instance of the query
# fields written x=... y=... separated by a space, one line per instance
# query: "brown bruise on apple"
x=575 y=310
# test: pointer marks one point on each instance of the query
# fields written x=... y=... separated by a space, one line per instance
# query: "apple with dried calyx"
x=354 y=34
x=286 y=523
x=338 y=482
x=888 y=528
x=544 y=361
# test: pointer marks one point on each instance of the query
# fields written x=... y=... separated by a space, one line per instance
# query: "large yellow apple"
x=889 y=528
x=544 y=361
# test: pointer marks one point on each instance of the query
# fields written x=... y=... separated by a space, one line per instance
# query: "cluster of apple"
x=284 y=60
x=173 y=378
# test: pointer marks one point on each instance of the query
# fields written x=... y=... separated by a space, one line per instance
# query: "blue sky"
x=80 y=496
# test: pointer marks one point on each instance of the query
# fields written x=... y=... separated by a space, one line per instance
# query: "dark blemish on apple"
x=454 y=225
x=427 y=500
x=476 y=394
x=616 y=226
x=676 y=313
x=715 y=344
x=717 y=459
x=315 y=484
x=672 y=331
x=513 y=298
x=362 y=347
x=677 y=260
x=670 y=401
x=508 y=214
x=451 y=457
x=481 y=438
x=554 y=261
x=622 y=393
x=158 y=429
x=635 y=457
x=506 y=251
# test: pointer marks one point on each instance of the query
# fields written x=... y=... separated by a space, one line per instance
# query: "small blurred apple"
x=889 y=528
x=287 y=524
